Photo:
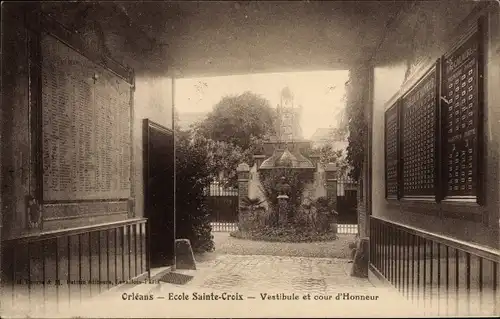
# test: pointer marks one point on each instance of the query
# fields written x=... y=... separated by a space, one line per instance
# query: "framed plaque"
x=81 y=122
x=86 y=127
x=392 y=150
x=462 y=87
x=419 y=121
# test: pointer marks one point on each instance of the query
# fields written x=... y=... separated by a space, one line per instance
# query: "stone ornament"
x=34 y=212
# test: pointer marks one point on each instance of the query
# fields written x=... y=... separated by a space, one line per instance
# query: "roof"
x=285 y=158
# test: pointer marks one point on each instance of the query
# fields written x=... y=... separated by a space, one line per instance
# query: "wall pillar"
x=243 y=171
x=361 y=94
x=331 y=183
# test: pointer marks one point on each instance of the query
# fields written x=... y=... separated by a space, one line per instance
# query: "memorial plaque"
x=461 y=118
x=86 y=127
x=419 y=131
x=392 y=151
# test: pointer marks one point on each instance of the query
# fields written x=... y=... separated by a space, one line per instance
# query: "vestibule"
x=425 y=72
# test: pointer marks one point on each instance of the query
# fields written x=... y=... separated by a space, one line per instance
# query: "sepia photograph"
x=250 y=159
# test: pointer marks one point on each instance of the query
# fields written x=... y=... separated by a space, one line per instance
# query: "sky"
x=320 y=93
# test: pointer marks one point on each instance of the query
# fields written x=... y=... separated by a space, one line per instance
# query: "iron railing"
x=56 y=270
x=347 y=229
x=350 y=229
x=223 y=227
x=218 y=189
x=442 y=275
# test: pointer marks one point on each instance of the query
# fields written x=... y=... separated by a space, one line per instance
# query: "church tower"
x=289 y=116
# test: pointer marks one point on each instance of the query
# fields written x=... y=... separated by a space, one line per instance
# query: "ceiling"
x=209 y=38
x=218 y=38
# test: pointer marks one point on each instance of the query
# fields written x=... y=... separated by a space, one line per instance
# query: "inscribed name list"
x=391 y=150
x=460 y=89
x=86 y=127
x=419 y=137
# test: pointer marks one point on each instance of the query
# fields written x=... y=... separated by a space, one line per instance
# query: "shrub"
x=192 y=175
x=289 y=234
x=271 y=182
x=251 y=213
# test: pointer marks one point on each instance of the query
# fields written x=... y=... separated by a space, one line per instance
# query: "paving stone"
x=250 y=276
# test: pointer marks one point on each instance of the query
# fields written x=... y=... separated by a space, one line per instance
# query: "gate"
x=347 y=201
x=222 y=205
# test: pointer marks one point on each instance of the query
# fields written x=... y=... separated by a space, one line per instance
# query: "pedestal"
x=283 y=209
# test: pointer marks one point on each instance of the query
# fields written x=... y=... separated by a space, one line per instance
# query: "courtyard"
x=244 y=278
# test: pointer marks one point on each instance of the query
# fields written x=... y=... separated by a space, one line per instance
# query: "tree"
x=238 y=120
x=327 y=154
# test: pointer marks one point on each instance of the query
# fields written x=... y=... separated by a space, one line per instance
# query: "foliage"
x=271 y=181
x=326 y=208
x=289 y=234
x=239 y=119
x=325 y=204
x=193 y=174
x=251 y=213
x=317 y=214
x=221 y=157
x=234 y=131
x=327 y=154
x=358 y=130
x=250 y=204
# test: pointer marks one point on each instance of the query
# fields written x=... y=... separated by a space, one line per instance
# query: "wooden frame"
x=427 y=76
x=438 y=205
x=38 y=210
x=474 y=34
x=394 y=108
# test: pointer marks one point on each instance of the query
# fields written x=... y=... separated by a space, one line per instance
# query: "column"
x=243 y=171
x=331 y=183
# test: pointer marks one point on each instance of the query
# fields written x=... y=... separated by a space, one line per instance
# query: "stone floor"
x=261 y=278
x=258 y=286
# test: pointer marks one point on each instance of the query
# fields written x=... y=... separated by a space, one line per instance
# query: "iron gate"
x=347 y=201
x=222 y=205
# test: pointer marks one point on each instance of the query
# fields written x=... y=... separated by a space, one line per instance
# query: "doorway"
x=159 y=193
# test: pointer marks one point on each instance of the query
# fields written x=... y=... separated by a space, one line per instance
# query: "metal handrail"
x=480 y=251
x=72 y=231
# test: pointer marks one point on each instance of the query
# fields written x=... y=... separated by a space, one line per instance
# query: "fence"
x=222 y=205
x=224 y=227
x=443 y=276
x=346 y=229
x=347 y=200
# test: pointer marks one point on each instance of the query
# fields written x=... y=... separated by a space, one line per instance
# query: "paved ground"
x=263 y=287
x=263 y=277
x=257 y=286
